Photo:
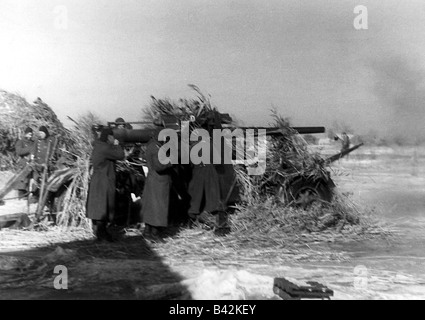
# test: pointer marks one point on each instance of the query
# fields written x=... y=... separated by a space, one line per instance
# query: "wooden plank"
x=15 y=221
x=9 y=186
x=11 y=216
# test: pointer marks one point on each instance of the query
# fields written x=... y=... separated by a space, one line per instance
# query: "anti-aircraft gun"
x=296 y=188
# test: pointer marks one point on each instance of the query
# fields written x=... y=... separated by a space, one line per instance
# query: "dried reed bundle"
x=289 y=157
x=272 y=220
x=77 y=156
x=269 y=232
x=197 y=110
x=15 y=115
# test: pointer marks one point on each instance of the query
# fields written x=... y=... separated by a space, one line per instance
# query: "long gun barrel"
x=278 y=131
x=143 y=135
x=309 y=130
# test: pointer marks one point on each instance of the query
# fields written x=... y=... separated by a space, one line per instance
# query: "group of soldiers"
x=37 y=151
x=203 y=192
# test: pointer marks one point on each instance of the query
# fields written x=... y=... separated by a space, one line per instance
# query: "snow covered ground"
x=391 y=182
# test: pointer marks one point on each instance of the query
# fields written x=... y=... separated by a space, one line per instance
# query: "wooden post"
x=43 y=193
x=12 y=182
x=29 y=195
x=40 y=205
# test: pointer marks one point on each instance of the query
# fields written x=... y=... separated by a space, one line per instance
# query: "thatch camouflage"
x=73 y=151
x=197 y=110
x=16 y=114
x=288 y=156
x=72 y=203
x=288 y=159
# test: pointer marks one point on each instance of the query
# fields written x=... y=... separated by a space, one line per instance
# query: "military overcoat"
x=156 y=194
x=101 y=194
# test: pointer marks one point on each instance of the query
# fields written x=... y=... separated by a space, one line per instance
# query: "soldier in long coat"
x=213 y=186
x=156 y=194
x=204 y=190
x=101 y=194
x=24 y=148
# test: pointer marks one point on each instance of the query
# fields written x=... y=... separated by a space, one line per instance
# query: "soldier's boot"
x=153 y=233
x=203 y=220
x=207 y=220
x=97 y=229
x=193 y=220
x=147 y=231
x=223 y=227
x=101 y=232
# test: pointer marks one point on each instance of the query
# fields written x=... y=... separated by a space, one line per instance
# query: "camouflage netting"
x=15 y=115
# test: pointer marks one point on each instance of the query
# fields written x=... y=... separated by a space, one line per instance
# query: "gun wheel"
x=304 y=193
x=306 y=197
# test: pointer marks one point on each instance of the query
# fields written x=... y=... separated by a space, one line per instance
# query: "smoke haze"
x=400 y=86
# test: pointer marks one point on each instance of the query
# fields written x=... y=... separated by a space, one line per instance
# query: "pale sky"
x=305 y=58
